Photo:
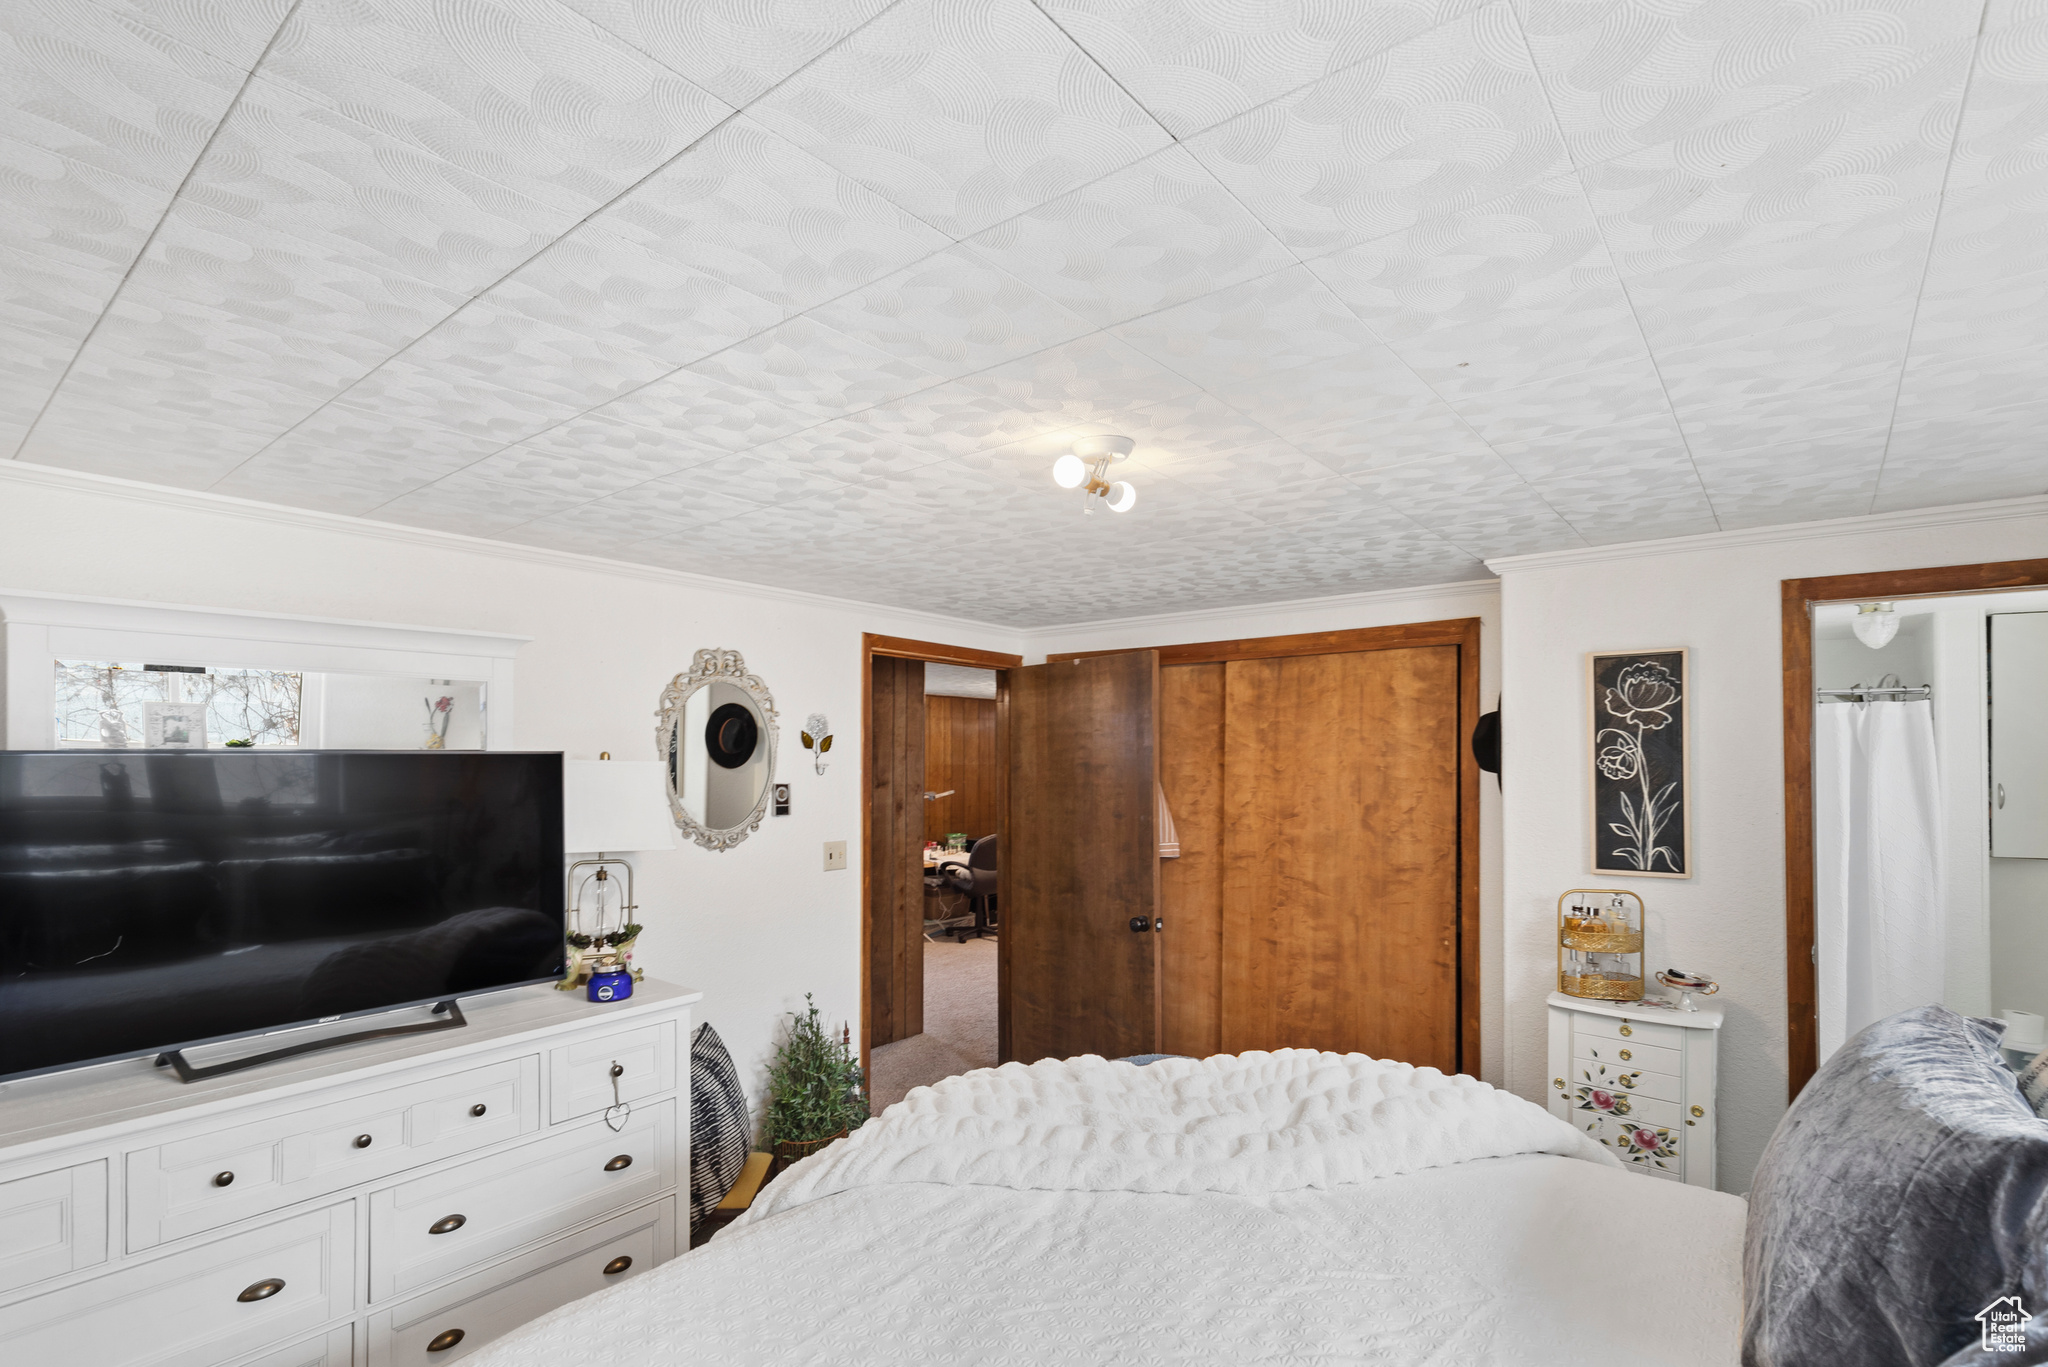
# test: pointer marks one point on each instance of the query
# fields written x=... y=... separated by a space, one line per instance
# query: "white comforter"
x=1292 y=1207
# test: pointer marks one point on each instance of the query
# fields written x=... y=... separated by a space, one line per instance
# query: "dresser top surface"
x=1706 y=1018
x=37 y=1110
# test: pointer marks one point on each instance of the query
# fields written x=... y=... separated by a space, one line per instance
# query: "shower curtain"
x=1877 y=853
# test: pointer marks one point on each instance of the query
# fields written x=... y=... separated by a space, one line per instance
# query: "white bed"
x=1269 y=1208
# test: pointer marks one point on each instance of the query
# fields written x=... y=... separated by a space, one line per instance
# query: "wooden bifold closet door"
x=1317 y=899
x=895 y=988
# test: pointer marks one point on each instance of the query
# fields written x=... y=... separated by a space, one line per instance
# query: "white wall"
x=1718 y=596
x=377 y=712
x=1479 y=599
x=754 y=928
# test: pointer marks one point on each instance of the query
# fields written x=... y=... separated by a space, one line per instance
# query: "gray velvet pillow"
x=1901 y=1196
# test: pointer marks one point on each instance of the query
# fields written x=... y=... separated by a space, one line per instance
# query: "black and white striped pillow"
x=718 y=1123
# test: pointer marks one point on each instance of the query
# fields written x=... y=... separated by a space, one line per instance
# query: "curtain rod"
x=1913 y=694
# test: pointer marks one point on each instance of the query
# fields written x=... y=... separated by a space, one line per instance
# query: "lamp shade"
x=615 y=805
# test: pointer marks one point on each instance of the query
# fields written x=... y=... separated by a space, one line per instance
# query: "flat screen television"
x=159 y=899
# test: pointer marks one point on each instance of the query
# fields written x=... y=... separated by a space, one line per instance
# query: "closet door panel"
x=896 y=828
x=960 y=756
x=1340 y=871
x=1081 y=858
x=1191 y=887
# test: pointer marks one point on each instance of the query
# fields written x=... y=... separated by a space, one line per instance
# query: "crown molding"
x=27 y=607
x=193 y=500
x=1950 y=515
x=1478 y=590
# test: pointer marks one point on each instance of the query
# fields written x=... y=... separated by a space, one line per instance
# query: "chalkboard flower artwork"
x=1643 y=698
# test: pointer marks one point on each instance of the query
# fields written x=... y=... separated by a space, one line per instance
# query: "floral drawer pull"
x=1699 y=1111
x=1625 y=1030
x=1626 y=1055
x=1558 y=1083
x=1630 y=1079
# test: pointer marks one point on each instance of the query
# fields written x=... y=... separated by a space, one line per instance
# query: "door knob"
x=1141 y=924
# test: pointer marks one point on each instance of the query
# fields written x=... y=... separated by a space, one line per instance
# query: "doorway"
x=1916 y=827
x=935 y=779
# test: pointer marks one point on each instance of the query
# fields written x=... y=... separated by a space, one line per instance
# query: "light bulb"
x=1122 y=496
x=1068 y=471
x=1875 y=624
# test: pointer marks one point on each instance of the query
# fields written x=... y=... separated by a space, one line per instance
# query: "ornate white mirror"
x=716 y=737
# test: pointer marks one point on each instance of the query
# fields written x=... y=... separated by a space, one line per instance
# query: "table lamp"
x=609 y=807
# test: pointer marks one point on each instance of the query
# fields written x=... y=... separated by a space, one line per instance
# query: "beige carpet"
x=959 y=1023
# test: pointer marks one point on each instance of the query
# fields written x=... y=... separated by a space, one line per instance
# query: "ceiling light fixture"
x=1875 y=624
x=1086 y=467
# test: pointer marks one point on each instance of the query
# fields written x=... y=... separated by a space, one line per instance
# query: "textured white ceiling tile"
x=1322 y=496
x=1728 y=402
x=703 y=411
x=950 y=314
x=754 y=210
x=289 y=165
x=1371 y=386
x=436 y=396
x=657 y=508
x=136 y=443
x=1797 y=481
x=962 y=114
x=1200 y=440
x=52 y=294
x=736 y=49
x=1098 y=370
x=1194 y=64
x=809 y=370
x=1962 y=317
x=1156 y=233
x=1532 y=245
x=1786 y=185
x=236 y=33
x=1824 y=312
x=492 y=340
x=72 y=212
x=106 y=92
x=524 y=92
x=1449 y=119
x=1966 y=458
x=1979 y=384
x=31 y=363
x=1626 y=393
x=209 y=344
x=1488 y=521
x=297 y=287
x=1434 y=435
x=767 y=475
x=598 y=452
x=1617 y=484
x=2003 y=136
x=468 y=502
x=348 y=458
x=1544 y=338
x=850 y=450
x=1639 y=72
x=1274 y=323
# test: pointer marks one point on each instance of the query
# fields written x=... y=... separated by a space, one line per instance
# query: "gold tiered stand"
x=1613 y=938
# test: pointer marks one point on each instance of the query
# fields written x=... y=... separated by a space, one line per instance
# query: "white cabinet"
x=1640 y=1080
x=2019 y=735
x=230 y=1223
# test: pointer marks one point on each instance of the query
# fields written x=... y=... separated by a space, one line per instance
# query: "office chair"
x=978 y=881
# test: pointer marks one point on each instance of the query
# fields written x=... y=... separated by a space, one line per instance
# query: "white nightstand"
x=1626 y=1073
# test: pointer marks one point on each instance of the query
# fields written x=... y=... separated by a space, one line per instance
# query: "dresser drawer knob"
x=448 y=1224
x=1699 y=1111
x=618 y=1070
x=223 y=1179
x=363 y=1141
x=261 y=1291
x=617 y=1265
x=443 y=1341
x=1625 y=1031
x=624 y=1160
x=1626 y=1054
x=1558 y=1083
x=478 y=1109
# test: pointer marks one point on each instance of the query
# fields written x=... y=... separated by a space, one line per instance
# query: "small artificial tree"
x=815 y=1088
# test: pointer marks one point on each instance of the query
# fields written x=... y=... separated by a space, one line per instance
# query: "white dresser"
x=1640 y=1080
x=396 y=1201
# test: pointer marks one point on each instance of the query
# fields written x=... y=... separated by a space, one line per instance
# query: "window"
x=101 y=704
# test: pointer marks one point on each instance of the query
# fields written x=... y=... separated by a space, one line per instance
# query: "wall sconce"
x=1086 y=467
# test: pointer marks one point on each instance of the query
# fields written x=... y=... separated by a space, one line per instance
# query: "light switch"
x=835 y=855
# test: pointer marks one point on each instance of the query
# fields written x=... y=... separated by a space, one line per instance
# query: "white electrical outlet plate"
x=835 y=855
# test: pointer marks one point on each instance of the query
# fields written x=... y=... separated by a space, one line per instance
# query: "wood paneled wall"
x=895 y=882
x=960 y=754
x=1191 y=887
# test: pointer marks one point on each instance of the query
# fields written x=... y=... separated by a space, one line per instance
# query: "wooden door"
x=1080 y=858
x=1191 y=886
x=1340 y=886
x=960 y=759
x=895 y=882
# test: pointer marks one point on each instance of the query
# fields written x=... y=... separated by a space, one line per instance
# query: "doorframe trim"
x=1461 y=632
x=873 y=644
x=1796 y=599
